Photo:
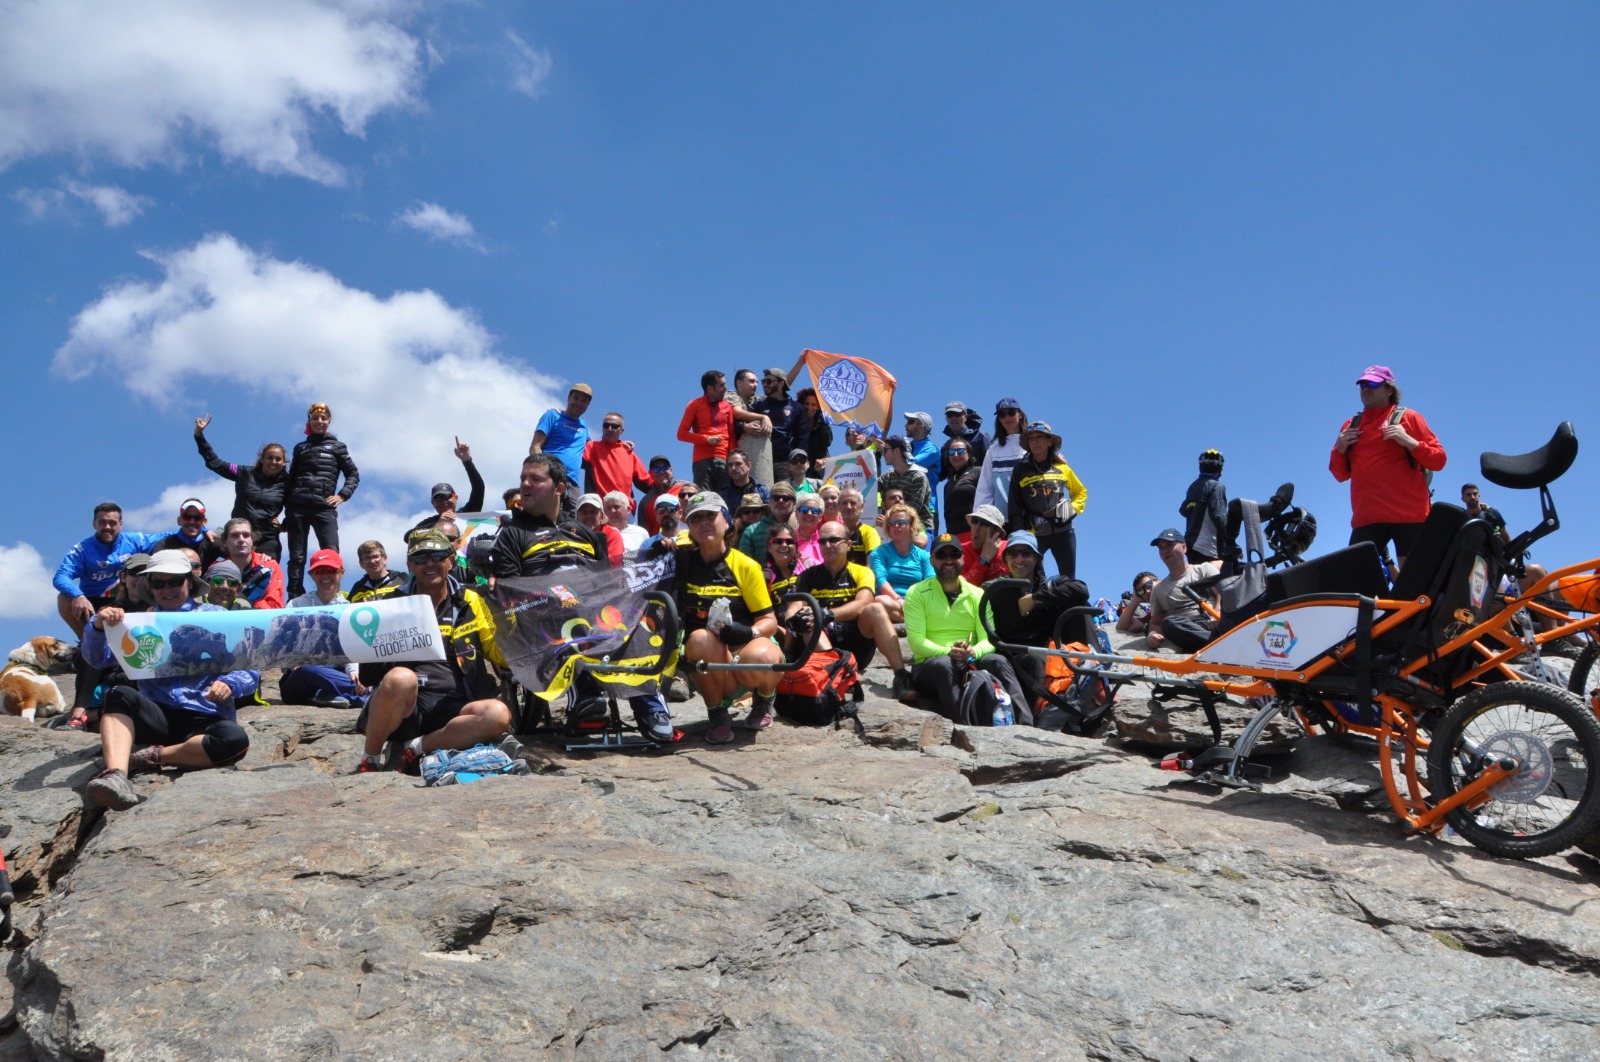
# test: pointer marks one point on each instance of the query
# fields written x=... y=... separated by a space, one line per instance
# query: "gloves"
x=734 y=635
x=719 y=615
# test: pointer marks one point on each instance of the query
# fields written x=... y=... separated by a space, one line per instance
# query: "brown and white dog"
x=26 y=684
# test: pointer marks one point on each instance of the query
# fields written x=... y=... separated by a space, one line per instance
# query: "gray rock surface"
x=911 y=890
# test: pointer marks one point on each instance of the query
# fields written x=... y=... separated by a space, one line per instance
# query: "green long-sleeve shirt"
x=934 y=623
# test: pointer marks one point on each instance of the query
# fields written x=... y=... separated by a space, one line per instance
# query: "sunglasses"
x=430 y=556
x=899 y=523
x=780 y=541
x=327 y=571
x=831 y=540
x=947 y=554
x=191 y=516
x=1145 y=589
x=222 y=580
x=809 y=510
x=661 y=468
x=1369 y=385
x=958 y=449
x=612 y=427
x=156 y=582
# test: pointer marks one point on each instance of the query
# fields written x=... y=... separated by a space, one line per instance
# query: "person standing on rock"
x=755 y=436
x=312 y=503
x=436 y=704
x=1387 y=454
x=948 y=641
x=187 y=721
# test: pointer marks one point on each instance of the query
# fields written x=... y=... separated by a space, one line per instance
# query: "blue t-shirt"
x=902 y=573
x=565 y=438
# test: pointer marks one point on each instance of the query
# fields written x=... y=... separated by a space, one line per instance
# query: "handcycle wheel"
x=1553 y=801
x=1585 y=674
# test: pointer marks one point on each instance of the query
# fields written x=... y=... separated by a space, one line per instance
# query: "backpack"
x=454 y=766
x=1084 y=700
x=1394 y=418
x=981 y=694
x=818 y=692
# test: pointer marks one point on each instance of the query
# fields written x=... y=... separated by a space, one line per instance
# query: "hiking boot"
x=411 y=758
x=111 y=789
x=370 y=765
x=760 y=716
x=904 y=691
x=331 y=702
x=720 y=732
x=145 y=760
x=654 y=723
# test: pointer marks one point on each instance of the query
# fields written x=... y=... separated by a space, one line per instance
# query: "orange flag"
x=852 y=391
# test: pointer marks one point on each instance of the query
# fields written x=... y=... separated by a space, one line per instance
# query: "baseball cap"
x=1377 y=374
x=1007 y=403
x=582 y=389
x=1169 y=535
x=707 y=501
x=441 y=490
x=1023 y=540
x=925 y=419
x=989 y=514
x=798 y=454
x=895 y=442
x=781 y=374
x=668 y=501
x=193 y=505
x=591 y=499
x=955 y=407
x=135 y=563
x=325 y=558
x=168 y=562
x=429 y=541
x=944 y=541
x=659 y=461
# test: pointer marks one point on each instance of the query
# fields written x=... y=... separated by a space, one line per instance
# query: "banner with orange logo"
x=852 y=391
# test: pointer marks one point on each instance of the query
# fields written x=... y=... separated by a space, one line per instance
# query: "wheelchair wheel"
x=1585 y=674
x=1553 y=802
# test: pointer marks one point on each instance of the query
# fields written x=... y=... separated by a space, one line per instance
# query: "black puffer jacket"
x=314 y=472
x=255 y=498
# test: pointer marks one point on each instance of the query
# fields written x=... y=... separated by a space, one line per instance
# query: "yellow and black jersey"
x=470 y=648
x=778 y=585
x=532 y=545
x=863 y=540
x=734 y=576
x=832 y=591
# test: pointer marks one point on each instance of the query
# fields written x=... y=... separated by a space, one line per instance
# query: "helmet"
x=1291 y=534
x=1211 y=461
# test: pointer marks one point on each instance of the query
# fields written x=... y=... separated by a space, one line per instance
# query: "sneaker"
x=677 y=689
x=720 y=732
x=904 y=691
x=760 y=716
x=411 y=758
x=77 y=719
x=655 y=723
x=331 y=702
x=111 y=789
x=145 y=760
x=370 y=765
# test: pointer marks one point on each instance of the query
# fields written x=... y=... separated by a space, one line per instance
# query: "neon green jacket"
x=934 y=624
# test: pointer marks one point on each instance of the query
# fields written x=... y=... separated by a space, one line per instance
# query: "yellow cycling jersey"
x=733 y=576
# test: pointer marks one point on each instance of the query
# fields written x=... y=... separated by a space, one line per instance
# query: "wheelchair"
x=1426 y=668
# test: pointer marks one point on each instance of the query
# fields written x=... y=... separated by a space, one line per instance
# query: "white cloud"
x=133 y=81
x=117 y=206
x=162 y=514
x=434 y=220
x=530 y=67
x=25 y=590
x=404 y=374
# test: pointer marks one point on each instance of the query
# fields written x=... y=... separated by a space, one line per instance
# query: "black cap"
x=441 y=490
x=1169 y=535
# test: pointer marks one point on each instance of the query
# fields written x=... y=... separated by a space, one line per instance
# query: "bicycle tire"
x=1550 y=805
x=1584 y=673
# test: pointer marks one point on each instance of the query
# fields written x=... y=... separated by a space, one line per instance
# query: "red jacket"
x=1386 y=482
x=973 y=570
x=614 y=466
x=700 y=419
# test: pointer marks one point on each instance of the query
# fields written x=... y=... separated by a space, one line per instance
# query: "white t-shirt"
x=1168 y=598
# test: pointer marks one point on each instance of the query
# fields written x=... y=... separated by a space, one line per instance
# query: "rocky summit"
x=905 y=889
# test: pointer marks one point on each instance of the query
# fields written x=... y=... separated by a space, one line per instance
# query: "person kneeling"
x=444 y=704
x=187 y=721
x=727 y=617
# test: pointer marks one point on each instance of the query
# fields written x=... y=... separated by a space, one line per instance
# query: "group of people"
x=754 y=523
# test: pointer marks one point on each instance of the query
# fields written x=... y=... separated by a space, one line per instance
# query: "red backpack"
x=818 y=692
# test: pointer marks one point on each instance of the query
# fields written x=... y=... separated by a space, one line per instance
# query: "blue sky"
x=1164 y=227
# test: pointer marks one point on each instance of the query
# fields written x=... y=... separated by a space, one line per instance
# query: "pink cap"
x=1377 y=374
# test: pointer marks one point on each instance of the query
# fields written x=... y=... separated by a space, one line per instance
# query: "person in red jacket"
x=609 y=462
x=1384 y=453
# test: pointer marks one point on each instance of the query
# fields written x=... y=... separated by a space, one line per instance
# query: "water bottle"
x=1003 y=715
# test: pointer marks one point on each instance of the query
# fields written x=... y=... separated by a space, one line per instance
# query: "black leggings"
x=299 y=523
x=224 y=742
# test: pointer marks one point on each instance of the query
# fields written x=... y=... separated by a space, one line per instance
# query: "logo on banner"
x=144 y=647
x=364 y=621
x=1277 y=639
x=842 y=385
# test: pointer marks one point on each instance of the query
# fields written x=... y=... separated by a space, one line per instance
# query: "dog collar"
x=35 y=668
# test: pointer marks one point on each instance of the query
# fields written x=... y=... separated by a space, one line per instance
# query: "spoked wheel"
x=1586 y=675
x=1553 y=800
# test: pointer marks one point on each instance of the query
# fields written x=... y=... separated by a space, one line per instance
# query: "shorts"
x=433 y=711
x=1404 y=536
x=847 y=636
x=224 y=741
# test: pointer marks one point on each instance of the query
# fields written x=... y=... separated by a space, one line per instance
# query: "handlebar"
x=808 y=647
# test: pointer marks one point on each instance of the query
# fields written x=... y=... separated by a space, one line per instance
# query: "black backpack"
x=980 y=694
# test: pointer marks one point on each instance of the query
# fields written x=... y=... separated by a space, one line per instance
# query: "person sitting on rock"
x=864 y=537
x=1175 y=617
x=899 y=563
x=983 y=545
x=186 y=721
x=222 y=586
x=947 y=639
x=1135 y=615
x=261 y=578
x=1036 y=611
x=861 y=625
x=378 y=580
x=429 y=705
x=727 y=617
x=780 y=513
x=323 y=685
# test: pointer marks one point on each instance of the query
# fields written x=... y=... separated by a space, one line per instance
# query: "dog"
x=26 y=684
